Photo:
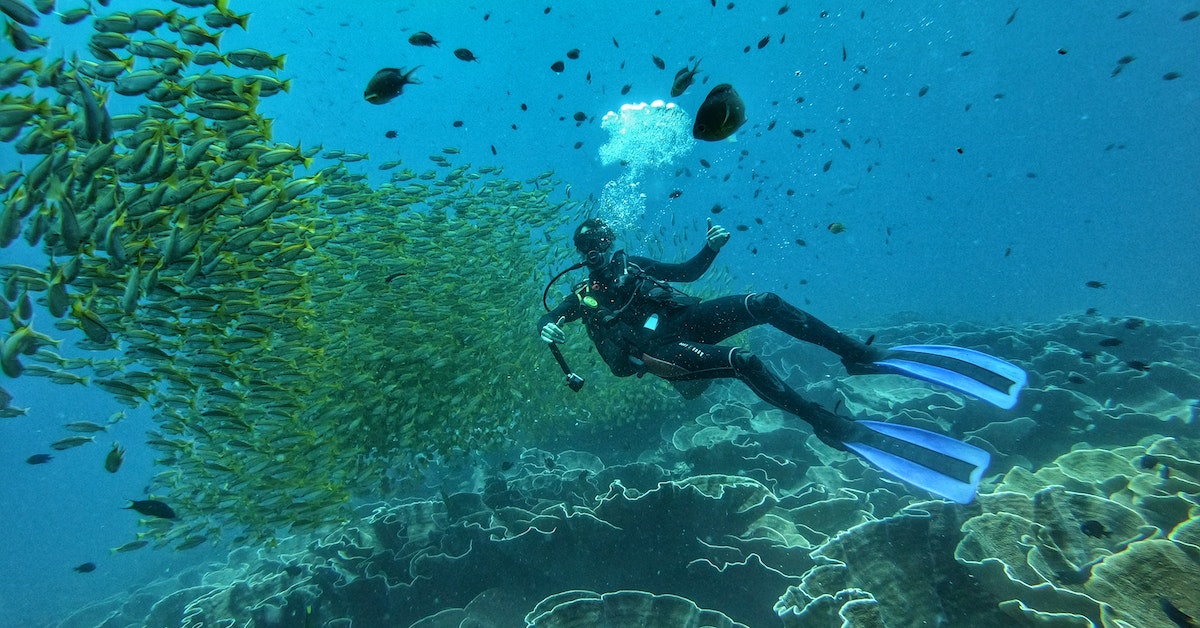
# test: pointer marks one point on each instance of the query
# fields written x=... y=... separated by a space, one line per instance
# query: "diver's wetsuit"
x=642 y=325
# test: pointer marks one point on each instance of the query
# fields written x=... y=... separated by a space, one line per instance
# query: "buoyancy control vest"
x=623 y=308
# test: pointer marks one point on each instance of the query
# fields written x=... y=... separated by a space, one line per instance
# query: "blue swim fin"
x=968 y=371
x=928 y=460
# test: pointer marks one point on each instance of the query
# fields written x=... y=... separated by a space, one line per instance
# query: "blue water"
x=1066 y=175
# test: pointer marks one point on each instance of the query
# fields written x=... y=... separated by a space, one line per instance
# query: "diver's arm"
x=693 y=269
x=690 y=270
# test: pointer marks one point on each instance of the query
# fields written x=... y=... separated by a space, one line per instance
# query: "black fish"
x=658 y=63
x=1094 y=284
x=573 y=53
x=1110 y=342
x=1135 y=323
x=387 y=84
x=558 y=66
x=151 y=508
x=465 y=55
x=1181 y=619
x=625 y=89
x=85 y=568
x=676 y=193
x=762 y=43
x=683 y=79
x=421 y=38
x=1094 y=529
x=1138 y=365
x=391 y=134
x=39 y=459
x=720 y=115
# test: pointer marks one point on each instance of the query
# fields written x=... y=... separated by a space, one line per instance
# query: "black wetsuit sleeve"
x=690 y=270
x=568 y=309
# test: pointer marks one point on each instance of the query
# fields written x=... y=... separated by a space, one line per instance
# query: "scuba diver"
x=641 y=324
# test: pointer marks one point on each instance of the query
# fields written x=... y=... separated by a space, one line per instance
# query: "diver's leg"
x=829 y=427
x=689 y=361
x=770 y=308
x=709 y=322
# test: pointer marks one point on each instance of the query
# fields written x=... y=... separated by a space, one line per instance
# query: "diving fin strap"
x=965 y=370
x=939 y=464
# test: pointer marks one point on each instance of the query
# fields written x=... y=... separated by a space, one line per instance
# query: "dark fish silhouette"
x=1180 y=618
x=720 y=115
x=85 y=568
x=152 y=508
x=1094 y=529
x=465 y=55
x=683 y=79
x=387 y=84
x=39 y=459
x=116 y=455
x=658 y=63
x=421 y=38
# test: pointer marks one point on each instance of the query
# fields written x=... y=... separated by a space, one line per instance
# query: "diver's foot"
x=862 y=361
x=830 y=428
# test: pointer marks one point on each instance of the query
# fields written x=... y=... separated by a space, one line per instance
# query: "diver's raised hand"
x=717 y=236
x=552 y=333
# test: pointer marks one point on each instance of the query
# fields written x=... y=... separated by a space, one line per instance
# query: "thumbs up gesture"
x=717 y=236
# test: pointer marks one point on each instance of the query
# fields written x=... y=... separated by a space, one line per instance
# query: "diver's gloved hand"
x=717 y=236
x=552 y=333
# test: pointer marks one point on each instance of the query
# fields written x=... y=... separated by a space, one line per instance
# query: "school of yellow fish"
x=301 y=337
